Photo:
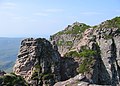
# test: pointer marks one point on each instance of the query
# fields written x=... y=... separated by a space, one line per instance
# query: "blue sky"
x=42 y=18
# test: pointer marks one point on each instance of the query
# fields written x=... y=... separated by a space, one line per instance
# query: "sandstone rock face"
x=38 y=62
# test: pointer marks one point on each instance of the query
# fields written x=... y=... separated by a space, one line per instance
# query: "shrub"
x=59 y=43
x=85 y=66
x=13 y=80
x=87 y=53
x=69 y=43
x=72 y=54
x=47 y=76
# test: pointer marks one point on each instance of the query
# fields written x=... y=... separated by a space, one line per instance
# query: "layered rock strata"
x=38 y=62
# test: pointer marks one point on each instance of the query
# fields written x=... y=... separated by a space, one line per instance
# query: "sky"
x=42 y=18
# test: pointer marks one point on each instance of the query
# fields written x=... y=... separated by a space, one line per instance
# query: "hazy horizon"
x=42 y=18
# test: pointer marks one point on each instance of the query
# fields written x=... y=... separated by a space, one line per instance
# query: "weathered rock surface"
x=38 y=62
x=90 y=56
x=73 y=81
x=69 y=37
x=104 y=39
x=2 y=73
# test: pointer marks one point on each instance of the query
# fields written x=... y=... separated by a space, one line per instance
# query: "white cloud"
x=90 y=13
x=40 y=14
x=10 y=14
x=54 y=10
x=7 y=5
x=46 y=12
x=117 y=11
x=20 y=18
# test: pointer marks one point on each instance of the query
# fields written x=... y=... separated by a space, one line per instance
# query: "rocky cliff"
x=96 y=49
x=38 y=62
x=79 y=55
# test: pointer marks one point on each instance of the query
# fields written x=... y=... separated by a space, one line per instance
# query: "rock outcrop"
x=69 y=37
x=104 y=40
x=89 y=56
x=2 y=73
x=38 y=62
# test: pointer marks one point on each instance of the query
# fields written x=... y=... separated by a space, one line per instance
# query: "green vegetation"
x=72 y=54
x=77 y=29
x=60 y=33
x=115 y=22
x=59 y=43
x=86 y=65
x=107 y=36
x=47 y=76
x=95 y=26
x=12 y=80
x=37 y=75
x=86 y=55
x=37 y=66
x=88 y=59
x=36 y=72
x=68 y=43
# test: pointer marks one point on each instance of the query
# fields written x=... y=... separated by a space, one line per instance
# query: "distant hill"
x=9 y=48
